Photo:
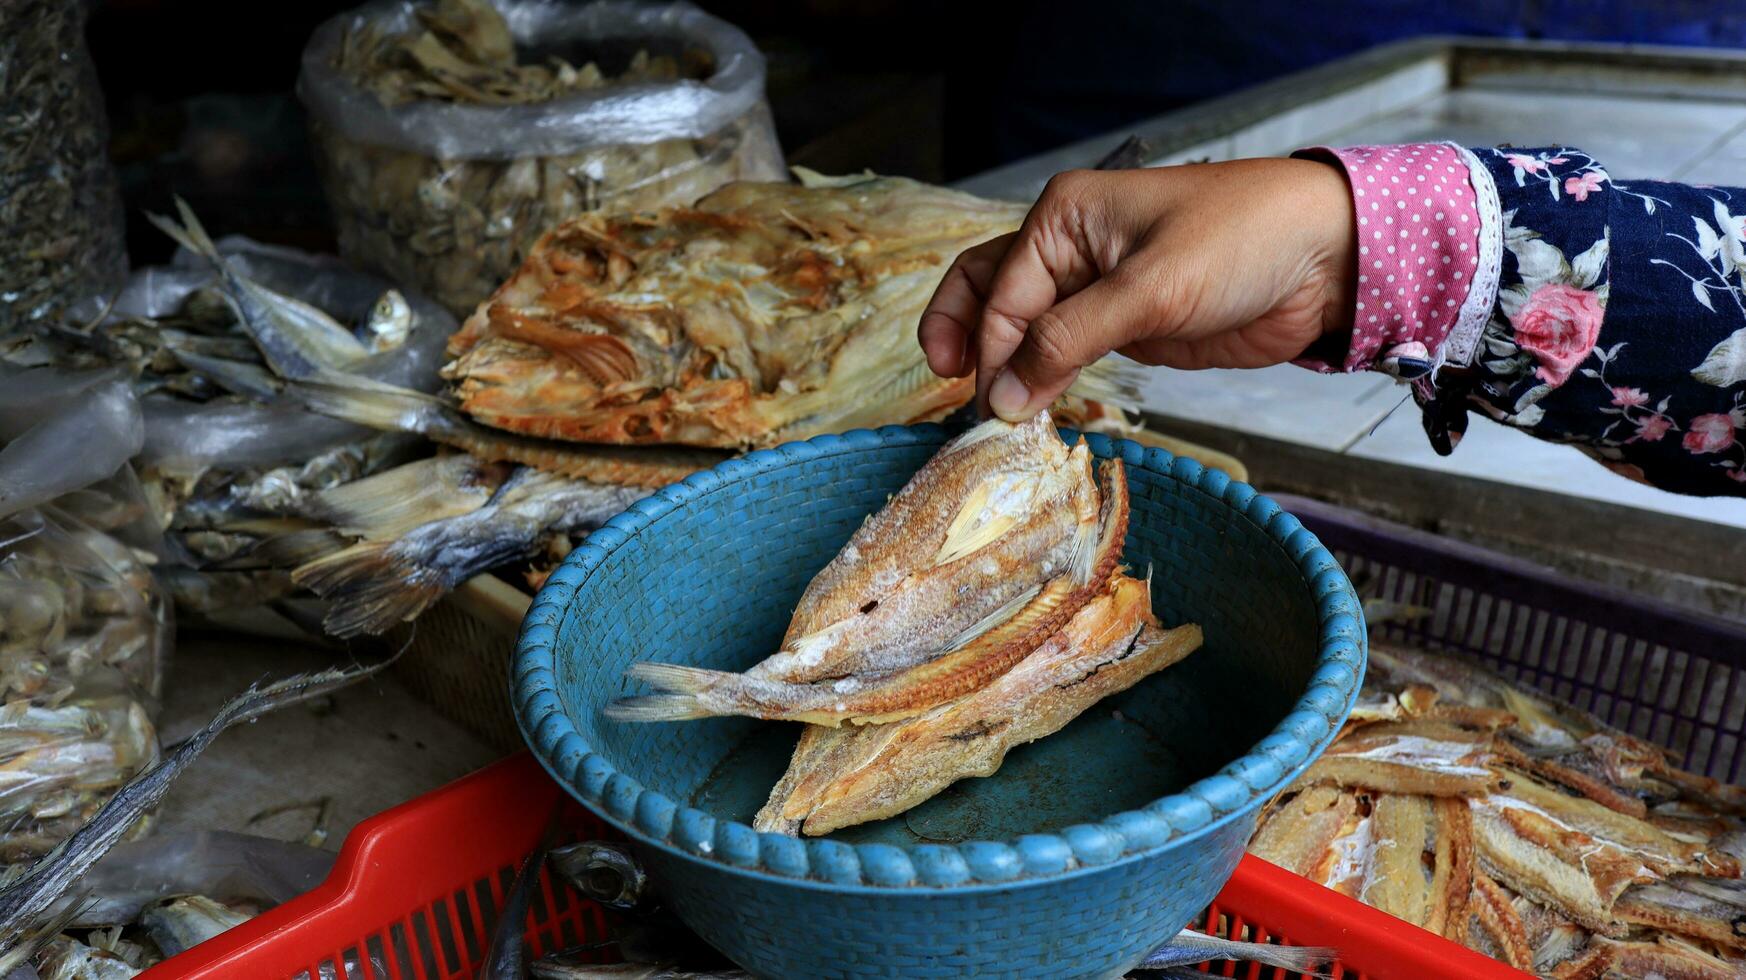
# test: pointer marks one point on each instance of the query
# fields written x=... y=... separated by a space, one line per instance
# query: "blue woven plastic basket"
x=1083 y=852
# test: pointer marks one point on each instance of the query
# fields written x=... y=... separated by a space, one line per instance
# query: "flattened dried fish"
x=845 y=776
x=1414 y=758
x=993 y=544
x=766 y=313
x=1300 y=834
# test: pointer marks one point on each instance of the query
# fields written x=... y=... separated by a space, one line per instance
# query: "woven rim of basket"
x=1199 y=809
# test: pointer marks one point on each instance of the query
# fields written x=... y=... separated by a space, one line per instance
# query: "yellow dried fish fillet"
x=1572 y=872
x=1451 y=869
x=763 y=313
x=1659 y=960
x=1401 y=828
x=1663 y=854
x=1412 y=758
x=883 y=770
x=1297 y=837
x=1496 y=915
x=1689 y=911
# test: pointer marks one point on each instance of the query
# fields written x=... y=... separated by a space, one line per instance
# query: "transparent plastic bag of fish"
x=188 y=434
x=84 y=629
x=59 y=200
x=452 y=134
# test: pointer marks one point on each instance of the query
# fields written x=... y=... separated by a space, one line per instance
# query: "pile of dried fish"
x=59 y=201
x=982 y=608
x=446 y=152
x=1519 y=827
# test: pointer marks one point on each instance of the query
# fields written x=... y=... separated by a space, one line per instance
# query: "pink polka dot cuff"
x=1418 y=250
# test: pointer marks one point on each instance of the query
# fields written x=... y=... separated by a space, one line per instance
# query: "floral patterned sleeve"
x=1619 y=325
x=1610 y=316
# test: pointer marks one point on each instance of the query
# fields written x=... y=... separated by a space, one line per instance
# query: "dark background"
x=200 y=92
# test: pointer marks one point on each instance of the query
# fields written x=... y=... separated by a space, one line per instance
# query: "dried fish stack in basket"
x=451 y=135
x=1535 y=770
x=59 y=201
x=84 y=630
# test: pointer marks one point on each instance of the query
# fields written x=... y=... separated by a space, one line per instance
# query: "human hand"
x=1239 y=264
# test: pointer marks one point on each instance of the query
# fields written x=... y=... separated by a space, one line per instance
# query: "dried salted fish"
x=1583 y=854
x=999 y=539
x=1409 y=757
x=854 y=774
x=404 y=410
x=765 y=313
x=377 y=584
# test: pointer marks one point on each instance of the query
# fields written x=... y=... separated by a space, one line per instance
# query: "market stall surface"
x=361 y=750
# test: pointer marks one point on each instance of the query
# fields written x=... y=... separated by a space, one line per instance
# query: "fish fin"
x=389 y=503
x=1099 y=544
x=975 y=527
x=1114 y=380
x=1007 y=610
x=981 y=432
x=372 y=589
x=288 y=550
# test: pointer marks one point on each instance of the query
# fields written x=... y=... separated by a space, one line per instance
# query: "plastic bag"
x=60 y=202
x=189 y=436
x=85 y=630
x=449 y=197
x=228 y=867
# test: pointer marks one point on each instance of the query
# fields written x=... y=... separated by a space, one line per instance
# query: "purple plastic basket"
x=1674 y=676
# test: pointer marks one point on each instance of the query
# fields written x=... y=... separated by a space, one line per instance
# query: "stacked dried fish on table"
x=452 y=134
x=1519 y=827
x=984 y=607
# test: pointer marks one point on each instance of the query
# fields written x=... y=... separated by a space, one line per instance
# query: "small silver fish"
x=181 y=924
x=296 y=339
x=1191 y=947
x=69 y=959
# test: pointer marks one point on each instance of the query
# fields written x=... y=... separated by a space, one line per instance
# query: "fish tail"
x=190 y=234
x=1113 y=379
x=371 y=587
x=681 y=693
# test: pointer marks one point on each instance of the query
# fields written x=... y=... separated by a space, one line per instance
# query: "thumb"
x=1074 y=333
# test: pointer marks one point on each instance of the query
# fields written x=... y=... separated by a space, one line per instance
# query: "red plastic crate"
x=413 y=894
